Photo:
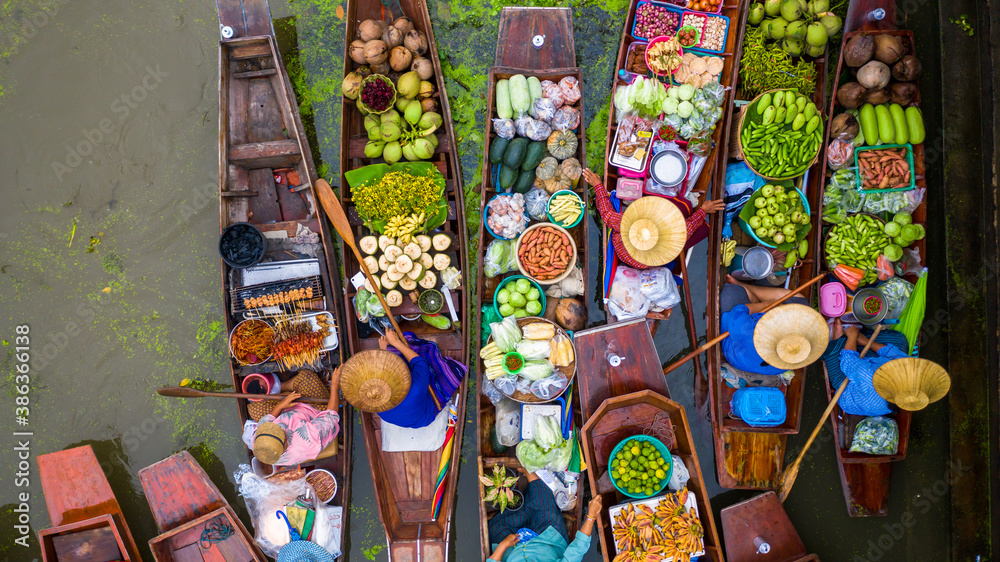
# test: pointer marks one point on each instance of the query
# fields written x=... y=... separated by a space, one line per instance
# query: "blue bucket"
x=760 y=406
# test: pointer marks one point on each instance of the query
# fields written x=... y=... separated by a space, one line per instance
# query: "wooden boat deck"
x=87 y=522
x=753 y=457
x=183 y=499
x=405 y=482
x=762 y=516
x=260 y=134
x=866 y=478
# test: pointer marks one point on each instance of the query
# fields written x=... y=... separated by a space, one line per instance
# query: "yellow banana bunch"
x=403 y=227
x=728 y=252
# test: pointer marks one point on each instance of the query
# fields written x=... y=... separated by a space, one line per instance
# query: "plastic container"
x=751 y=263
x=833 y=299
x=571 y=263
x=909 y=161
x=630 y=163
x=654 y=41
x=760 y=406
x=583 y=208
x=512 y=356
x=677 y=10
x=725 y=32
x=746 y=227
x=628 y=189
x=503 y=283
x=270 y=382
x=659 y=446
x=668 y=167
x=697 y=35
x=869 y=296
x=486 y=211
x=242 y=240
x=335 y=483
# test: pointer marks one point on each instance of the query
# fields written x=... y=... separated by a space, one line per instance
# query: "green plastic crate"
x=909 y=160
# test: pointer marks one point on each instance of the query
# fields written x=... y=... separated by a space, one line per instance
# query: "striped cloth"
x=860 y=397
x=538 y=514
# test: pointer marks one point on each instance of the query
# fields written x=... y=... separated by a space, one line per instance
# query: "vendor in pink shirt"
x=291 y=433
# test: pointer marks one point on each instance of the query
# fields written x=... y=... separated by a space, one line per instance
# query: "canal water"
x=108 y=132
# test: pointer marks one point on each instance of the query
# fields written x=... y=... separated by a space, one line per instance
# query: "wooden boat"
x=619 y=401
x=555 y=60
x=761 y=519
x=87 y=522
x=753 y=457
x=184 y=502
x=405 y=482
x=734 y=10
x=866 y=478
x=261 y=138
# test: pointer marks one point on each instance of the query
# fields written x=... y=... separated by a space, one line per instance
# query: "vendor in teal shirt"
x=542 y=517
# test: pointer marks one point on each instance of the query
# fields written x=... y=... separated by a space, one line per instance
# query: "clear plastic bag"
x=536 y=201
x=680 y=476
x=505 y=128
x=508 y=422
x=506 y=384
x=658 y=285
x=840 y=197
x=570 y=88
x=625 y=300
x=490 y=391
x=566 y=119
x=910 y=264
x=840 y=154
x=549 y=387
x=876 y=436
x=713 y=91
x=538 y=130
x=500 y=258
x=563 y=485
x=554 y=93
x=543 y=110
x=523 y=385
x=896 y=291
x=521 y=125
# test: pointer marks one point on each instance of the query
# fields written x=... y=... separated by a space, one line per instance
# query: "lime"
x=628 y=456
x=636 y=451
x=660 y=474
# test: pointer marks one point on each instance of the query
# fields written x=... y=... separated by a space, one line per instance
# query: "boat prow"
x=759 y=530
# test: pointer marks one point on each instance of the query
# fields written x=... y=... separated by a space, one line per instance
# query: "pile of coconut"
x=391 y=50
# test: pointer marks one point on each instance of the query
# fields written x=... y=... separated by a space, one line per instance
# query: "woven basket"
x=739 y=131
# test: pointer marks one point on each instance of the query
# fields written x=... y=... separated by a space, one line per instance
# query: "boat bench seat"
x=270 y=154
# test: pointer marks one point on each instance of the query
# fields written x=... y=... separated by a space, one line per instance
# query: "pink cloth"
x=307 y=432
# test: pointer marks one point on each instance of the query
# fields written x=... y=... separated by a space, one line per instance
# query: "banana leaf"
x=437 y=213
x=913 y=313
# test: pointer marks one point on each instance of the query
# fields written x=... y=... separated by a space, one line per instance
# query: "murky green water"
x=108 y=129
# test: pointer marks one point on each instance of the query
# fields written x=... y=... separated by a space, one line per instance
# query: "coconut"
x=351 y=86
x=851 y=95
x=791 y=10
x=845 y=125
x=792 y=46
x=815 y=51
x=400 y=58
x=382 y=68
x=416 y=41
x=426 y=90
x=873 y=75
x=777 y=28
x=816 y=34
x=392 y=37
x=796 y=30
x=408 y=85
x=772 y=7
x=879 y=96
x=376 y=52
x=370 y=29
x=889 y=48
x=859 y=50
x=907 y=69
x=903 y=93
x=423 y=67
x=357 y=51
x=429 y=104
x=832 y=23
x=403 y=24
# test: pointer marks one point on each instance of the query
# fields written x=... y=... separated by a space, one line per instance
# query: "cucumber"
x=915 y=125
x=514 y=154
x=869 y=123
x=497 y=149
x=899 y=123
x=533 y=155
x=886 y=130
x=508 y=176
x=525 y=180
x=504 y=110
x=534 y=88
x=439 y=321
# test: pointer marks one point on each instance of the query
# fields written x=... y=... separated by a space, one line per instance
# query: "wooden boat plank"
x=93 y=544
x=231 y=14
x=518 y=25
x=761 y=516
x=184 y=541
x=750 y=460
x=48 y=538
x=178 y=490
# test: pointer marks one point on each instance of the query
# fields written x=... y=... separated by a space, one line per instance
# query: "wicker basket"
x=739 y=131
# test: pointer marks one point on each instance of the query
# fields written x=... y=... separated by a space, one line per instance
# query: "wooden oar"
x=792 y=472
x=725 y=335
x=335 y=212
x=186 y=392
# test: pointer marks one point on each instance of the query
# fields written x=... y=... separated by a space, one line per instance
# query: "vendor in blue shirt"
x=540 y=523
x=741 y=305
x=418 y=409
x=859 y=397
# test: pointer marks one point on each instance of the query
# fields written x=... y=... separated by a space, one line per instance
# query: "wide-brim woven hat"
x=269 y=442
x=303 y=551
x=375 y=380
x=653 y=231
x=911 y=383
x=791 y=336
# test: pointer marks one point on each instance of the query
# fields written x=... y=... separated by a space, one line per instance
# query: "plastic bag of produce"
x=508 y=423
x=910 y=264
x=566 y=119
x=549 y=387
x=840 y=154
x=488 y=316
x=659 y=286
x=505 y=128
x=679 y=478
x=713 y=92
x=533 y=349
x=536 y=201
x=500 y=258
x=625 y=300
x=553 y=93
x=848 y=275
x=876 y=436
x=506 y=384
x=891 y=202
x=687 y=130
x=523 y=385
x=538 y=130
x=563 y=484
x=896 y=291
x=538 y=369
x=543 y=110
x=570 y=88
x=521 y=125
x=547 y=450
x=506 y=334
x=490 y=391
x=883 y=268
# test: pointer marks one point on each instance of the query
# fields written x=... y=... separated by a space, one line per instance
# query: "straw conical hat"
x=911 y=383
x=375 y=380
x=653 y=231
x=791 y=336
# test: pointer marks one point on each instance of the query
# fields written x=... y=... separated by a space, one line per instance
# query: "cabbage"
x=622 y=99
x=893 y=252
x=892 y=228
x=547 y=449
x=644 y=96
x=903 y=218
x=685 y=91
x=670 y=105
x=506 y=334
x=534 y=349
x=685 y=108
x=910 y=232
x=535 y=370
x=547 y=432
x=672 y=93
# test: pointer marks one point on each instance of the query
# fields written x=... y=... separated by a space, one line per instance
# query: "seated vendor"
x=695 y=220
x=860 y=397
x=787 y=342
x=294 y=433
x=542 y=520
x=418 y=409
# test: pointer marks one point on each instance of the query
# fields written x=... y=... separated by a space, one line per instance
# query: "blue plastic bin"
x=760 y=406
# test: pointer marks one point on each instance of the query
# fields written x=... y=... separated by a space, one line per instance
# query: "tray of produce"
x=883 y=168
x=713 y=30
x=781 y=134
x=548 y=353
x=777 y=216
x=674 y=515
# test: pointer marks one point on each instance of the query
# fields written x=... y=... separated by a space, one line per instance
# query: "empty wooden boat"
x=185 y=503
x=554 y=60
x=87 y=522
x=415 y=511
x=759 y=530
x=623 y=393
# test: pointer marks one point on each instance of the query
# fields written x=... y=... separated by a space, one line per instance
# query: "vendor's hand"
x=711 y=206
x=335 y=376
x=594 y=507
x=852 y=331
x=392 y=338
x=292 y=397
x=591 y=177
x=509 y=541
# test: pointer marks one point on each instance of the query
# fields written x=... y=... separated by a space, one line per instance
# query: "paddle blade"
x=787 y=481
x=334 y=211
x=180 y=392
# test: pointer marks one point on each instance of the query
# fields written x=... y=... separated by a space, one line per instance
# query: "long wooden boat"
x=262 y=140
x=760 y=520
x=184 y=502
x=87 y=522
x=555 y=60
x=753 y=457
x=866 y=478
x=622 y=393
x=735 y=11
x=405 y=482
